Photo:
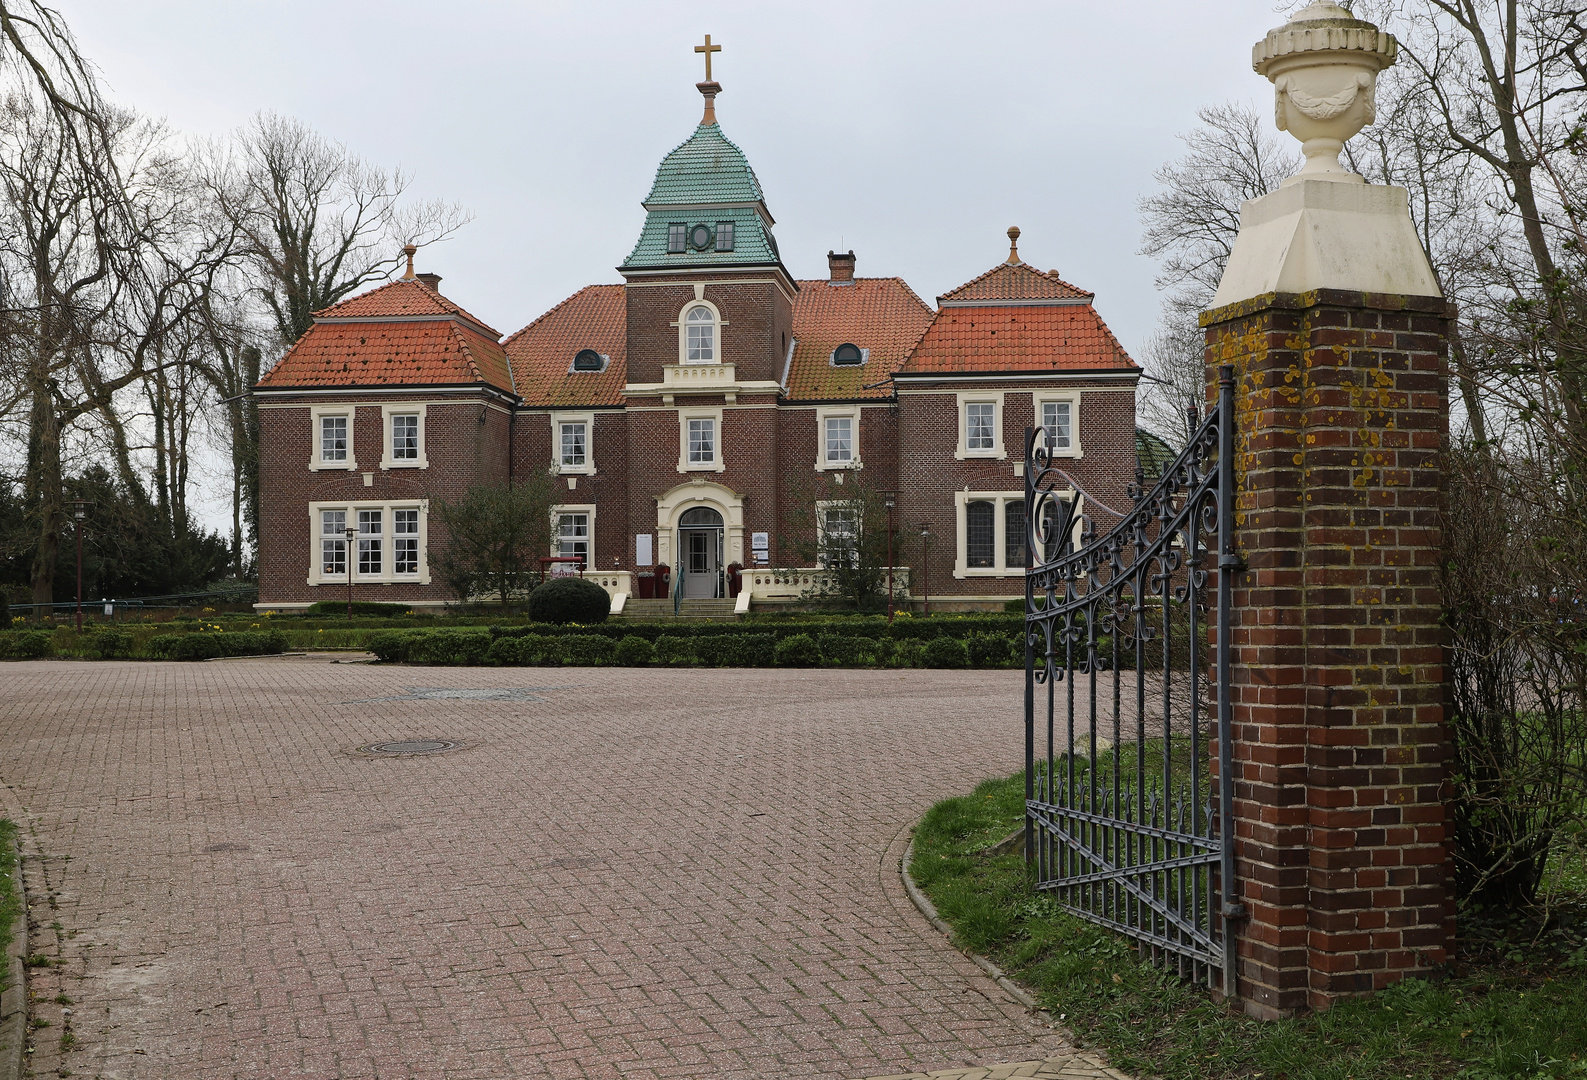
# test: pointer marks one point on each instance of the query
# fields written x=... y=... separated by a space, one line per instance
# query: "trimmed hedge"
x=27 y=645
x=360 y=607
x=974 y=641
x=208 y=646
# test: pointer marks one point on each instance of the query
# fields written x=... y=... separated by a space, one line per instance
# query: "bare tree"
x=320 y=223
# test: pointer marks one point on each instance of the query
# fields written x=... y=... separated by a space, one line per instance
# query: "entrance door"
x=700 y=536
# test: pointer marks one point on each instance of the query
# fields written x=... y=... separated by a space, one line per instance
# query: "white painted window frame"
x=387 y=461
x=980 y=397
x=588 y=420
x=1074 y=450
x=318 y=412
x=822 y=506
x=684 y=464
x=825 y=413
x=556 y=528
x=388 y=546
x=682 y=323
x=999 y=501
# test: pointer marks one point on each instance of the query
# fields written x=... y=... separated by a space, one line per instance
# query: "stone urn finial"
x=1324 y=66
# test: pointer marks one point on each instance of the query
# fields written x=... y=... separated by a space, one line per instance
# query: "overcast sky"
x=913 y=132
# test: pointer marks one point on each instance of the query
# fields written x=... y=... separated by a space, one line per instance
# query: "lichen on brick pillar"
x=1334 y=322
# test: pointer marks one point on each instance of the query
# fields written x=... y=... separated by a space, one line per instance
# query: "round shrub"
x=842 y=650
x=31 y=645
x=909 y=654
x=569 y=600
x=634 y=651
x=798 y=650
x=989 y=650
x=946 y=652
x=587 y=650
x=111 y=644
x=674 y=651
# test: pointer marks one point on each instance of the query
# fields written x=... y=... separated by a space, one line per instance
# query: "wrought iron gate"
x=1123 y=826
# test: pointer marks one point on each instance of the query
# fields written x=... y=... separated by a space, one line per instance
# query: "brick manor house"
x=682 y=410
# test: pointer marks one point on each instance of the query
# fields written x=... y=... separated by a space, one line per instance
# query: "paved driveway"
x=622 y=873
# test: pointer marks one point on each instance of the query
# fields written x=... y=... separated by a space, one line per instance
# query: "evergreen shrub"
x=390 y=646
x=112 y=644
x=569 y=600
x=208 y=645
x=946 y=652
x=798 y=650
x=989 y=650
x=737 y=650
x=844 y=650
x=462 y=648
x=633 y=651
x=588 y=650
x=360 y=607
x=674 y=650
x=909 y=654
x=32 y=645
x=517 y=651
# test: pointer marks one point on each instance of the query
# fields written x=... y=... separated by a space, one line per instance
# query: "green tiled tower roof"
x=707 y=179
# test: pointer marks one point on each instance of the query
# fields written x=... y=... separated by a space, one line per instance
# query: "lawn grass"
x=10 y=892
x=1512 y=1005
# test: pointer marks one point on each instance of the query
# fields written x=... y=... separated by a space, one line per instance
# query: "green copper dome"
x=706 y=180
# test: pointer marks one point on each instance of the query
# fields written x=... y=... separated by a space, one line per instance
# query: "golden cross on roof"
x=707 y=49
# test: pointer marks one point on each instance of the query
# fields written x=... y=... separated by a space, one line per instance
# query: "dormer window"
x=677 y=238
x=848 y=355
x=700 y=335
x=700 y=237
x=588 y=360
x=724 y=236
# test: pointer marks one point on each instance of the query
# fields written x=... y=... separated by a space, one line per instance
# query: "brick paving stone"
x=646 y=874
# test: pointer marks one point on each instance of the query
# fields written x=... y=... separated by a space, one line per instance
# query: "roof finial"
x=408 y=250
x=1013 y=245
x=710 y=87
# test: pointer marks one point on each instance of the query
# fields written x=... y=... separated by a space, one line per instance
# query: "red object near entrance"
x=663 y=581
x=647 y=584
x=735 y=578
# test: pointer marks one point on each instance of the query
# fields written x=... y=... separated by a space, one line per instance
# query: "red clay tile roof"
x=542 y=352
x=882 y=315
x=428 y=340
x=1015 y=281
x=438 y=352
x=404 y=297
x=991 y=339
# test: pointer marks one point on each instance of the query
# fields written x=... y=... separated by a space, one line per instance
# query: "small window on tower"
x=588 y=360
x=677 y=238
x=700 y=237
x=724 y=236
x=847 y=356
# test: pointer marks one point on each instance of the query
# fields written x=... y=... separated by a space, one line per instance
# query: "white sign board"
x=644 y=550
x=760 y=545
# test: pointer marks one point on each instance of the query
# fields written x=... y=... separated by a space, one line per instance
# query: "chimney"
x=432 y=280
x=841 y=267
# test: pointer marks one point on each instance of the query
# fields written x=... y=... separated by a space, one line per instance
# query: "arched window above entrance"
x=697 y=334
x=700 y=517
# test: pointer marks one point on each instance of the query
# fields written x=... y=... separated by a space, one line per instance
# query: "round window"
x=847 y=355
x=700 y=237
x=587 y=360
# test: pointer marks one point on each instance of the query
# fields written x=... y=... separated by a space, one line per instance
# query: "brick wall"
x=1340 y=739
x=461 y=451
x=759 y=319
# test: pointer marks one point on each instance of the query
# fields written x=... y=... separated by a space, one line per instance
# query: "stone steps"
x=657 y=610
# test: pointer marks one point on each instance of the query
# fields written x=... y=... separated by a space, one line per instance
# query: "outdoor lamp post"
x=80 y=515
x=350 y=532
x=925 y=566
x=890 y=500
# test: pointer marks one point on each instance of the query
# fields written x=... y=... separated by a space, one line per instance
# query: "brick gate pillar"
x=1337 y=330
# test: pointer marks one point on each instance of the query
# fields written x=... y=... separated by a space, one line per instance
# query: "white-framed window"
x=1058 y=415
x=573 y=533
x=572 y=443
x=333 y=437
x=839 y=524
x=388 y=542
x=405 y=541
x=700 y=331
x=403 y=435
x=991 y=533
x=838 y=437
x=980 y=426
x=700 y=440
x=333 y=543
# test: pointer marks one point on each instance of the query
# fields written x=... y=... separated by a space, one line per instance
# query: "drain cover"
x=409 y=746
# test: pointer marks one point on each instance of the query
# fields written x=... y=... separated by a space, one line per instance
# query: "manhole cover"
x=409 y=746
